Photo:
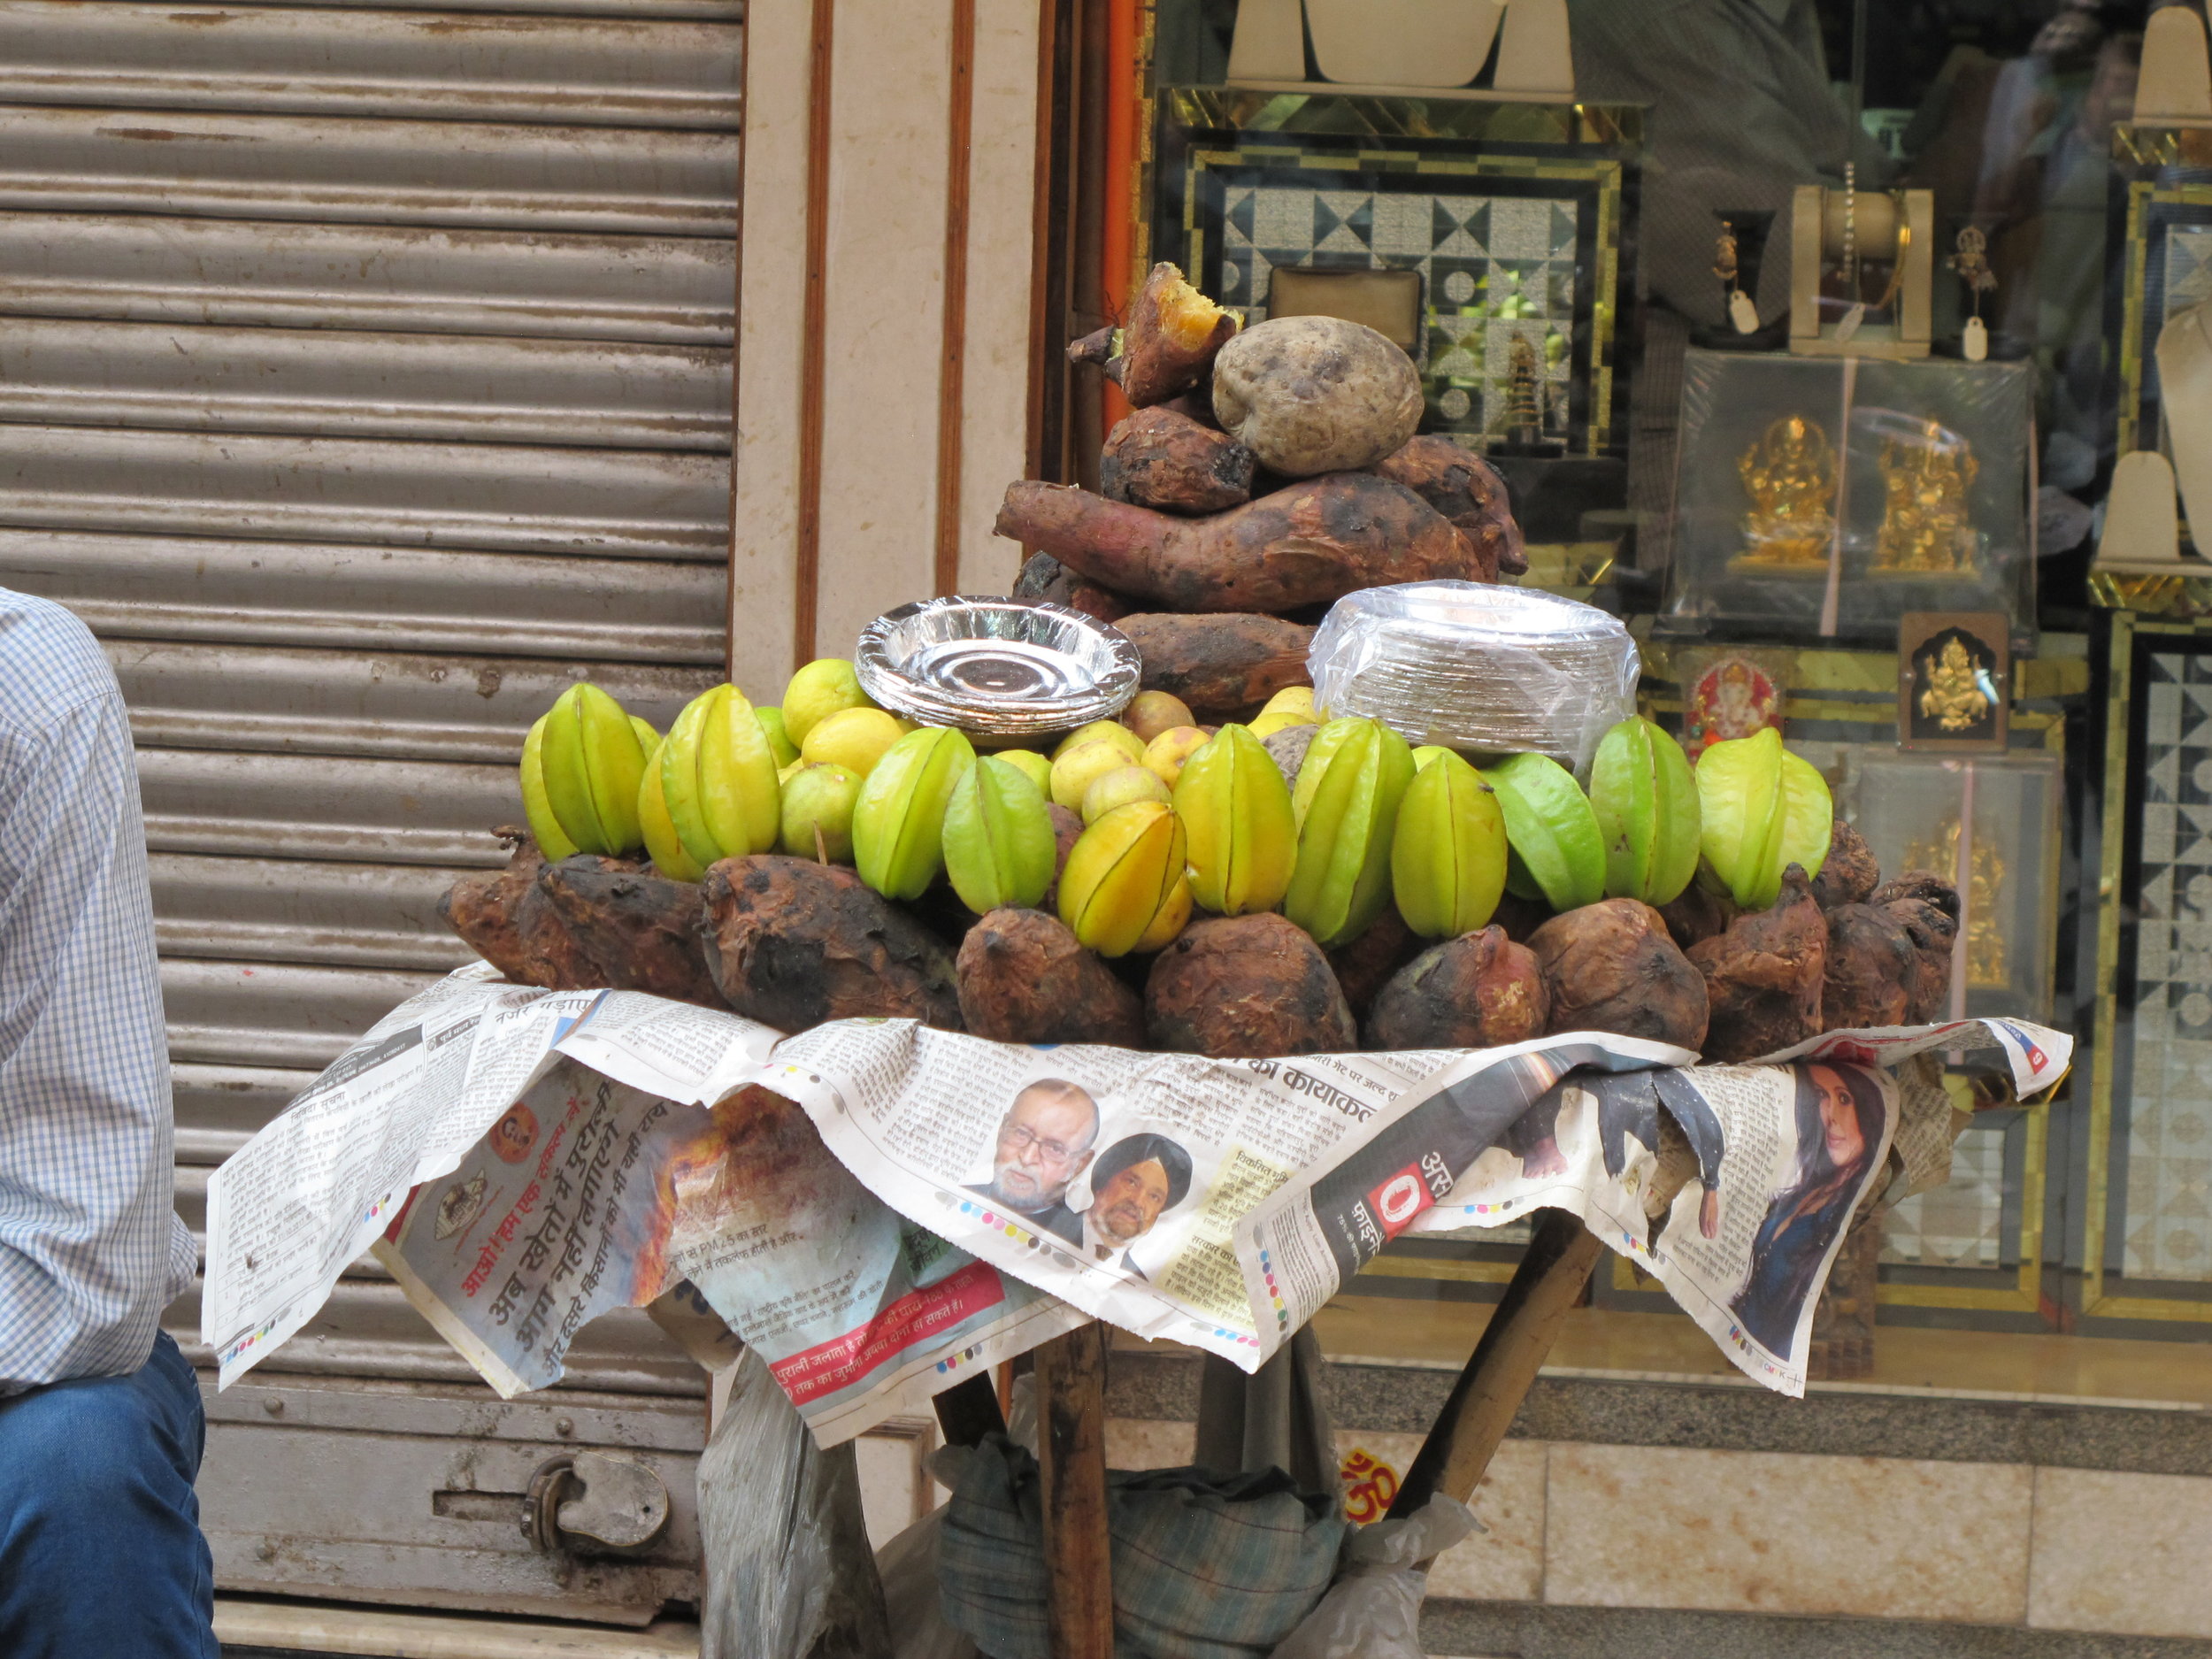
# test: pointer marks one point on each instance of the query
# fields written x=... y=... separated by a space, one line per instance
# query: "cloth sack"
x=1205 y=1566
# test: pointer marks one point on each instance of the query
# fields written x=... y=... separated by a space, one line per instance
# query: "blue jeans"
x=101 y=1555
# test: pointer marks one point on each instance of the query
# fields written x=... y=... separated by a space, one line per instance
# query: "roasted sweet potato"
x=1024 y=977
x=1366 y=965
x=1218 y=663
x=1462 y=487
x=1044 y=577
x=1156 y=458
x=1610 y=966
x=1927 y=907
x=1699 y=914
x=644 y=933
x=1174 y=333
x=552 y=955
x=1849 y=875
x=1873 y=970
x=1763 y=975
x=482 y=908
x=792 y=943
x=1067 y=829
x=1479 y=990
x=1245 y=987
x=1309 y=544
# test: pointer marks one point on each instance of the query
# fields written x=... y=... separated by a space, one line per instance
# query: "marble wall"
x=1587 y=1526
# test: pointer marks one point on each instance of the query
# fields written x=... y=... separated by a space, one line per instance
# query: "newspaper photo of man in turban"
x=1842 y=1117
x=1043 y=1143
x=1133 y=1183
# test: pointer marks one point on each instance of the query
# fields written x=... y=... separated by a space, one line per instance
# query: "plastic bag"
x=1372 y=1610
x=789 y=1573
x=908 y=1566
x=1486 y=669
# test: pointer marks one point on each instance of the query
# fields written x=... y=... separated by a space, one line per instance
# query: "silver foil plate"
x=998 y=669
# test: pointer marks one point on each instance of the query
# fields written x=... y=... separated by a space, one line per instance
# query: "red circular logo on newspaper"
x=1400 y=1199
x=513 y=1135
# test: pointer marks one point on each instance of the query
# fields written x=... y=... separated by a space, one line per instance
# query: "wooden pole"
x=968 y=1412
x=1561 y=1257
x=1071 y=1447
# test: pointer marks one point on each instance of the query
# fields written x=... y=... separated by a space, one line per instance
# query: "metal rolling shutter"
x=364 y=378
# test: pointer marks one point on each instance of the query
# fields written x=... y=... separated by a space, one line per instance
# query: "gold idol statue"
x=1790 y=475
x=1925 y=480
x=1954 y=698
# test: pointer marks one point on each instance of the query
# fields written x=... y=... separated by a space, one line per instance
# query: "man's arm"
x=90 y=1249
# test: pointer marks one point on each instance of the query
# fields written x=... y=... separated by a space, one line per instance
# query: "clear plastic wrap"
x=1373 y=1608
x=1486 y=669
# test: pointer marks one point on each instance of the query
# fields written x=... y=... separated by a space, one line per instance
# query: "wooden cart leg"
x=1071 y=1447
x=1561 y=1257
x=968 y=1412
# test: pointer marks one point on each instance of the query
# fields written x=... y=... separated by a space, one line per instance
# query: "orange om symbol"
x=1370 y=1484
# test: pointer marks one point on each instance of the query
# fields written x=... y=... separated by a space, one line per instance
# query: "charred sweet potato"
x=792 y=943
x=1067 y=829
x=1610 y=966
x=1873 y=970
x=1479 y=990
x=1174 y=333
x=1218 y=663
x=1699 y=914
x=1850 y=875
x=552 y=955
x=1024 y=977
x=1927 y=907
x=1366 y=965
x=641 y=931
x=1156 y=458
x=482 y=908
x=1307 y=545
x=1462 y=487
x=1245 y=987
x=1044 y=577
x=1763 y=975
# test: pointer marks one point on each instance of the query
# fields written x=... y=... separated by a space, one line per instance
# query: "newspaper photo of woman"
x=1839 y=1124
x=1135 y=1181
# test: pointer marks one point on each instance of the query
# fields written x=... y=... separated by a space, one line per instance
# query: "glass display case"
x=1826 y=498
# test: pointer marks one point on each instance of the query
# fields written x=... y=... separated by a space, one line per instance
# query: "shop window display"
x=1784 y=513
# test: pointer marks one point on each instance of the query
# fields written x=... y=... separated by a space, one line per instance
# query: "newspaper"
x=879 y=1207
x=309 y=1193
x=1222 y=1203
x=523 y=1161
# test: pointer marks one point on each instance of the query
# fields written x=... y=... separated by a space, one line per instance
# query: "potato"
x=1873 y=970
x=1245 y=987
x=1479 y=990
x=1764 y=974
x=1309 y=395
x=1024 y=977
x=1848 y=875
x=1610 y=966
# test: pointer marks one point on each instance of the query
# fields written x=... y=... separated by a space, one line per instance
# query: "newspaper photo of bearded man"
x=1135 y=1181
x=1043 y=1143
